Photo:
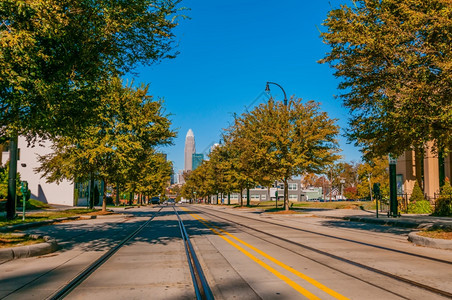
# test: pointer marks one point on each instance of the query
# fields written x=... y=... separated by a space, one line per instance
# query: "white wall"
x=51 y=193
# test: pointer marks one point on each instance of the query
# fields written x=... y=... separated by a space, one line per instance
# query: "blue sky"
x=228 y=51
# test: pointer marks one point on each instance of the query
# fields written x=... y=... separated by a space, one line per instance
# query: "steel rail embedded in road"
x=202 y=288
x=357 y=264
x=66 y=289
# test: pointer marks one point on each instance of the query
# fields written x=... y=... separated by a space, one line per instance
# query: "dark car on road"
x=154 y=200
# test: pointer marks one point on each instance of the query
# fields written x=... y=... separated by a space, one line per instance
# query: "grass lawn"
x=269 y=206
x=8 y=240
x=437 y=234
x=49 y=215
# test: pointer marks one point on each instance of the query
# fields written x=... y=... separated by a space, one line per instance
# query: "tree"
x=129 y=125
x=278 y=142
x=370 y=172
x=56 y=56
x=394 y=59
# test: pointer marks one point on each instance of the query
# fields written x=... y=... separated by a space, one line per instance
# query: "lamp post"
x=267 y=89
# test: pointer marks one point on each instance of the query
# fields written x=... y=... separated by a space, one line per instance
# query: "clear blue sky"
x=228 y=51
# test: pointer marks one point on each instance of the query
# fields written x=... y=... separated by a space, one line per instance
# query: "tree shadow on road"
x=366 y=227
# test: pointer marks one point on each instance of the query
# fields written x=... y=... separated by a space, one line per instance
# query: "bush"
x=444 y=202
x=418 y=204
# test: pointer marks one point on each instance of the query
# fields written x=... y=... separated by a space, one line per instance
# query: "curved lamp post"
x=267 y=89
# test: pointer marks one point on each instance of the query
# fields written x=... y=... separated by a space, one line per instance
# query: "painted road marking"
x=291 y=283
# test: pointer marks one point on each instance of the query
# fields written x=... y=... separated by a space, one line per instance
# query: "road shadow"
x=366 y=227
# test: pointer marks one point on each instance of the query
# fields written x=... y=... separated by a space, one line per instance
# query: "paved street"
x=244 y=253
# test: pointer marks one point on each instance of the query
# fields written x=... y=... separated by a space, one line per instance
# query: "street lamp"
x=267 y=89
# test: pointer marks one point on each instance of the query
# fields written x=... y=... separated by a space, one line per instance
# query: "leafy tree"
x=278 y=142
x=155 y=173
x=394 y=59
x=129 y=124
x=56 y=56
x=370 y=172
x=351 y=193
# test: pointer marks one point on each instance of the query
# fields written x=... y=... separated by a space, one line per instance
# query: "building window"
x=263 y=197
x=292 y=186
x=234 y=197
x=293 y=197
x=255 y=197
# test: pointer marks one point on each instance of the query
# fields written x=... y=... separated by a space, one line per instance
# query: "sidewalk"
x=419 y=222
x=405 y=220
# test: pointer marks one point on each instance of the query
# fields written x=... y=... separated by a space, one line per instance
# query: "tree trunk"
x=248 y=196
x=117 y=194
x=104 y=196
x=130 y=198
x=241 y=197
x=286 y=194
x=91 y=191
x=419 y=164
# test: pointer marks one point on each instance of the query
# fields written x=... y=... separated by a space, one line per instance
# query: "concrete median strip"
x=28 y=251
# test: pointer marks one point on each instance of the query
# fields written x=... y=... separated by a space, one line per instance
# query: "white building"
x=63 y=193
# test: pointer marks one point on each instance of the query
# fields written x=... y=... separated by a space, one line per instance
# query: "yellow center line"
x=286 y=267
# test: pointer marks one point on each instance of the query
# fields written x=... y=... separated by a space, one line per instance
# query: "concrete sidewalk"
x=418 y=222
x=405 y=220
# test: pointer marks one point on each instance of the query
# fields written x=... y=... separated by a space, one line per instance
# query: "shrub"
x=444 y=202
x=418 y=204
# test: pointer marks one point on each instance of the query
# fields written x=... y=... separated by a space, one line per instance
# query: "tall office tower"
x=197 y=159
x=189 y=150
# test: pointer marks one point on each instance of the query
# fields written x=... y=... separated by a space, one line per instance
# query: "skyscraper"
x=189 y=150
x=197 y=159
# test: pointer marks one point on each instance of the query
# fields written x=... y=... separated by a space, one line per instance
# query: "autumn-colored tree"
x=373 y=171
x=276 y=141
x=130 y=123
x=395 y=62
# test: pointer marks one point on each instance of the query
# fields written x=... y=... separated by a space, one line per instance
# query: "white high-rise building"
x=189 y=150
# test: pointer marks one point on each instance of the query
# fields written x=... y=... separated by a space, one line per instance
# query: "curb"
x=388 y=222
x=28 y=251
x=429 y=242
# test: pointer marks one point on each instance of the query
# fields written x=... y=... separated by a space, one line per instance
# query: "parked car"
x=154 y=200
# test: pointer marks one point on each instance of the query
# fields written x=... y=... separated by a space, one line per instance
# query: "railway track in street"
x=150 y=239
x=251 y=225
x=201 y=287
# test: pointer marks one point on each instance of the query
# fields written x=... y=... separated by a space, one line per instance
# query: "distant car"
x=155 y=200
x=170 y=202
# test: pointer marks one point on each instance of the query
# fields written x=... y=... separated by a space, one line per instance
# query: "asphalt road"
x=244 y=254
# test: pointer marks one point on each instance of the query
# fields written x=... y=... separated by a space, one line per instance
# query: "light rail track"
x=331 y=255
x=202 y=289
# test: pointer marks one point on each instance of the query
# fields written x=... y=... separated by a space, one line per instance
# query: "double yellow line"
x=224 y=235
